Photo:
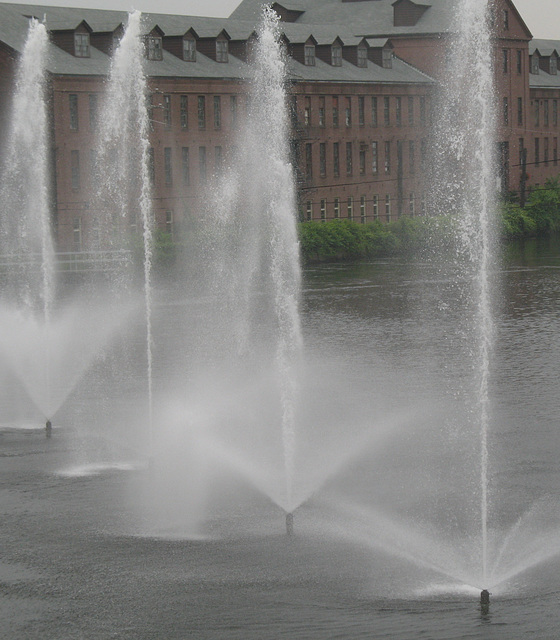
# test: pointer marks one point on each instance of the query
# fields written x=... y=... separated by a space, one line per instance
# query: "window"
x=348 y=158
x=553 y=65
x=307 y=112
x=387 y=58
x=233 y=110
x=505 y=17
x=167 y=111
x=323 y=210
x=546 y=143
x=411 y=204
x=388 y=208
x=505 y=60
x=422 y=110
x=169 y=222
x=375 y=206
x=75 y=169
x=363 y=209
x=184 y=115
x=155 y=50
x=374 y=111
x=221 y=51
x=362 y=57
x=81 y=45
x=202 y=112
x=505 y=111
x=323 y=159
x=336 y=56
x=519 y=111
x=189 y=50
x=399 y=112
x=423 y=150
x=218 y=160
x=411 y=157
x=337 y=208
x=202 y=163
x=309 y=55
x=387 y=156
x=309 y=210
x=167 y=165
x=322 y=111
x=535 y=63
x=411 y=110
x=77 y=234
x=386 y=112
x=555 y=151
x=93 y=111
x=363 y=149
x=185 y=166
x=151 y=165
x=555 y=113
x=374 y=158
x=217 y=112
x=536 y=112
x=73 y=104
x=308 y=161
x=336 y=159
x=361 y=111
x=93 y=168
x=335 y=111
x=545 y=112
x=537 y=150
x=519 y=58
x=350 y=208
x=348 y=112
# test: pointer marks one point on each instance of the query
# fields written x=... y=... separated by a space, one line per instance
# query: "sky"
x=541 y=16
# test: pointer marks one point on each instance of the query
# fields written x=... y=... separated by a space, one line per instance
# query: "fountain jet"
x=290 y=524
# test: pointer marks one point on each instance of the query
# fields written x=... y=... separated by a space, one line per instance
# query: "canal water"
x=386 y=546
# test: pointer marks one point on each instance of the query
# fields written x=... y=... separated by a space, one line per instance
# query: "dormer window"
x=221 y=51
x=362 y=57
x=553 y=65
x=535 y=63
x=81 y=45
x=309 y=55
x=387 y=58
x=336 y=55
x=155 y=50
x=189 y=50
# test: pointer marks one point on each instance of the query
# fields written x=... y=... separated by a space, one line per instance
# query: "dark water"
x=383 y=338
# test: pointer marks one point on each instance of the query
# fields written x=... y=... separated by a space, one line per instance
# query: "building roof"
x=370 y=17
x=14 y=22
x=544 y=47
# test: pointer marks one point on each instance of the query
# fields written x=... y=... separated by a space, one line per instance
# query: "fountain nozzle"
x=48 y=428
x=290 y=524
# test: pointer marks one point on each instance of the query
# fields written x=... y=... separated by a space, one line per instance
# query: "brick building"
x=362 y=79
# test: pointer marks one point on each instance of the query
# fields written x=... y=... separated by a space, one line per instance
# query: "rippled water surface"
x=385 y=548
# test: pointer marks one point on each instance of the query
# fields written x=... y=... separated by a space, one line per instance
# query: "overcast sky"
x=541 y=16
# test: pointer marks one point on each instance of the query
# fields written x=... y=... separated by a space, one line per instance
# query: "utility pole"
x=523 y=181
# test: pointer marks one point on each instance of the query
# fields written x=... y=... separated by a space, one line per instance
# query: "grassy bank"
x=345 y=240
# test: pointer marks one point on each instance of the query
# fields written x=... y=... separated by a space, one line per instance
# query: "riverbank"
x=347 y=240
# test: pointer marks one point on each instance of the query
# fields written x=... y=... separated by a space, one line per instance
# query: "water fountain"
x=47 y=344
x=123 y=190
x=238 y=403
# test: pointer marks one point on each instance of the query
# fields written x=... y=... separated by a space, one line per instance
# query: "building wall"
x=379 y=161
